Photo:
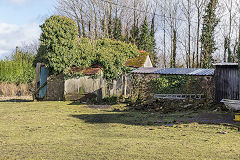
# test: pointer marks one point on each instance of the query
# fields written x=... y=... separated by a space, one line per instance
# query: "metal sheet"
x=175 y=71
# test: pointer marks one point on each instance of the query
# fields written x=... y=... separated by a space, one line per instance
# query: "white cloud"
x=12 y=35
x=3 y=53
x=7 y=28
x=18 y=1
x=3 y=43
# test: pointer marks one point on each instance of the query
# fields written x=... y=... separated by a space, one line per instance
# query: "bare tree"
x=178 y=29
x=173 y=24
x=199 y=4
x=163 y=12
x=187 y=11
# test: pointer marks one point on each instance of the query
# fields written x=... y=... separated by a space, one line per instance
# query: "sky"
x=19 y=22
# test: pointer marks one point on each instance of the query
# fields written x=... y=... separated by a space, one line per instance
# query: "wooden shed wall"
x=226 y=82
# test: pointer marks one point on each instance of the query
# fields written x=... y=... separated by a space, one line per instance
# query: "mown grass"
x=57 y=130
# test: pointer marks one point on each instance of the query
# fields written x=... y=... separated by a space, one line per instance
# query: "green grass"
x=57 y=130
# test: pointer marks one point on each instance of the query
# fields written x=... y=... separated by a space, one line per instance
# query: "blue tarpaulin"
x=43 y=79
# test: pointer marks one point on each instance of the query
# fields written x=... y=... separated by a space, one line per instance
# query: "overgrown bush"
x=57 y=43
x=61 y=49
x=111 y=100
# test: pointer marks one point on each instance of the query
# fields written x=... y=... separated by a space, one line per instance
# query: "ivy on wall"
x=177 y=84
x=143 y=88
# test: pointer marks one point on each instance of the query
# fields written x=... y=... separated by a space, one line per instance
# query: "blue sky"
x=20 y=20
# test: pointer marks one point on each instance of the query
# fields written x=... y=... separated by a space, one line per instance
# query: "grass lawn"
x=58 y=130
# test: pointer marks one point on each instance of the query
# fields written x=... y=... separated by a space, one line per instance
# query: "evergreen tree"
x=126 y=37
x=117 y=30
x=152 y=34
x=110 y=27
x=103 y=27
x=153 y=42
x=230 y=56
x=134 y=34
x=174 y=54
x=144 y=41
x=210 y=21
x=57 y=43
x=235 y=51
x=227 y=49
x=238 y=56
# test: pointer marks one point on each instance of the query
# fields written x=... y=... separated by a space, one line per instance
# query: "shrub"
x=111 y=100
x=61 y=49
x=19 y=69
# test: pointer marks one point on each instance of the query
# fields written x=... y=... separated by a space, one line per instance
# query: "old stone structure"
x=91 y=84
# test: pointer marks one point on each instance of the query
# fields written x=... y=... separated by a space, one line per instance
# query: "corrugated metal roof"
x=175 y=71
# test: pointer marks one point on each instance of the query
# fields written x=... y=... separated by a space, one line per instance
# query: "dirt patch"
x=99 y=106
x=210 y=118
x=167 y=106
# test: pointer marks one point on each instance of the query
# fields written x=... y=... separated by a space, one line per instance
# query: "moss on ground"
x=57 y=130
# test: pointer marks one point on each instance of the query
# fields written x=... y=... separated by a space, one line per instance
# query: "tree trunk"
x=189 y=33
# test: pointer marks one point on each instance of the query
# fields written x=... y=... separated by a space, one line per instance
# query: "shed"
x=226 y=81
x=199 y=85
x=88 y=83
x=56 y=87
x=91 y=81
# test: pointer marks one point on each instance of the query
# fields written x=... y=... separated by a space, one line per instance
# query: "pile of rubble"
x=176 y=105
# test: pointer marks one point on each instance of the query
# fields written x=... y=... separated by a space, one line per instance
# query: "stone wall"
x=55 y=88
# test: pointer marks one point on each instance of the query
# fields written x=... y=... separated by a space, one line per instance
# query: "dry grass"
x=8 y=89
x=11 y=89
x=57 y=130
